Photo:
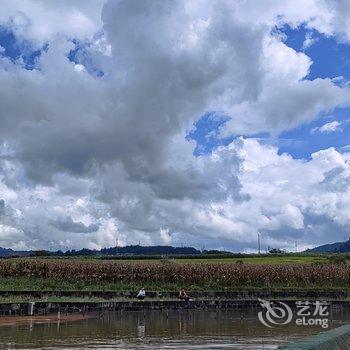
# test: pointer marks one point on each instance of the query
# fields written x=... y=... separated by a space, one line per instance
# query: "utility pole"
x=259 y=243
x=296 y=246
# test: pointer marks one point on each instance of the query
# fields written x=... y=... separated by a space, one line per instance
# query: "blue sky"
x=81 y=55
x=18 y=50
x=331 y=59
x=24 y=51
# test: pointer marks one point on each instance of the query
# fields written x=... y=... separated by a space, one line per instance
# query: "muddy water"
x=186 y=329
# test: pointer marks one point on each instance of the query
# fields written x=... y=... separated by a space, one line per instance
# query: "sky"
x=191 y=123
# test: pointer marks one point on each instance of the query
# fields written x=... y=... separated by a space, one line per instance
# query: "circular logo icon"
x=274 y=314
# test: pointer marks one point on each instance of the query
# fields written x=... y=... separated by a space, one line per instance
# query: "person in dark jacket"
x=183 y=295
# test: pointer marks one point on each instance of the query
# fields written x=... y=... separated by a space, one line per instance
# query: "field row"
x=225 y=275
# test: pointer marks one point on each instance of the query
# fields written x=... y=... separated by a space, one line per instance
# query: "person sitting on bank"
x=141 y=294
x=183 y=295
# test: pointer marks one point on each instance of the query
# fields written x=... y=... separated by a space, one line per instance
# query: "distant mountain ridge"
x=113 y=251
x=6 y=252
x=337 y=247
x=149 y=250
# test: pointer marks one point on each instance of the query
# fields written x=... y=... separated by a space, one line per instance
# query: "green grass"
x=247 y=258
x=39 y=284
x=274 y=260
x=258 y=260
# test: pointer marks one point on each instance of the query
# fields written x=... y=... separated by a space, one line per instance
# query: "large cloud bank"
x=94 y=147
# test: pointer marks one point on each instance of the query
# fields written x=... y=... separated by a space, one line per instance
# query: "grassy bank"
x=49 y=284
x=254 y=259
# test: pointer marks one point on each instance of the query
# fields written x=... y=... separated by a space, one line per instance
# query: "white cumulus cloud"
x=95 y=152
x=334 y=126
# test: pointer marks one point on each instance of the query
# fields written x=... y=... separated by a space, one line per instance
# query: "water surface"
x=183 y=329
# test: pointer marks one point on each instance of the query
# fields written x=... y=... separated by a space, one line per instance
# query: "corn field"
x=225 y=274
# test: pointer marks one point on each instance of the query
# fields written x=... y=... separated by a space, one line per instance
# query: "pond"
x=182 y=329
